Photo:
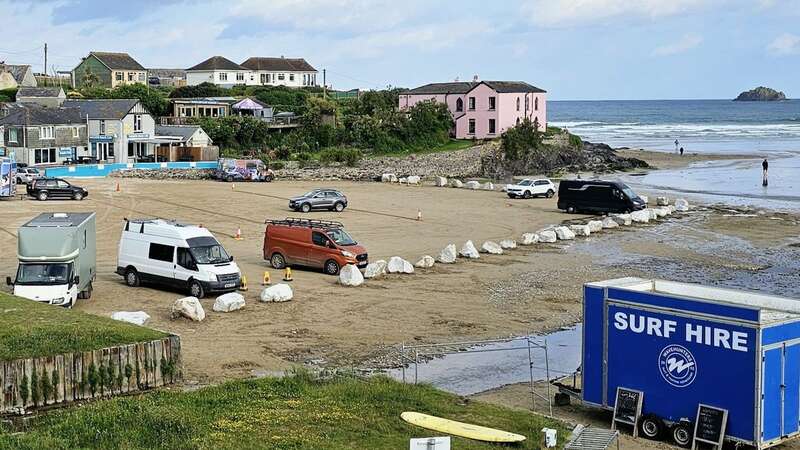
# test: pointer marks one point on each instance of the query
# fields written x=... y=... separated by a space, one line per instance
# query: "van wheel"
x=651 y=426
x=682 y=434
x=229 y=179
x=196 y=289
x=571 y=209
x=132 y=278
x=87 y=294
x=277 y=261
x=42 y=196
x=306 y=207
x=527 y=194
x=339 y=207
x=550 y=193
x=331 y=267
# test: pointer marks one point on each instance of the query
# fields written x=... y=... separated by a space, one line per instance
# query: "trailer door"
x=791 y=390
x=781 y=392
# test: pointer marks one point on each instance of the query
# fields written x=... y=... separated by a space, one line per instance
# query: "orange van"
x=312 y=243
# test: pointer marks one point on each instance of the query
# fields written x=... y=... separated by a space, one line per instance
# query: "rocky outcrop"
x=760 y=94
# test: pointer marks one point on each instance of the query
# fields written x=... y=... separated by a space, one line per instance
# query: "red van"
x=312 y=243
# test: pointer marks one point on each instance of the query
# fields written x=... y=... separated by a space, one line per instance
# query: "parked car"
x=597 y=196
x=46 y=188
x=529 y=187
x=312 y=243
x=230 y=170
x=330 y=199
x=26 y=175
x=173 y=254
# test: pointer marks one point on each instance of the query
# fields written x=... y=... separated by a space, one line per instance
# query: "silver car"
x=26 y=175
x=330 y=199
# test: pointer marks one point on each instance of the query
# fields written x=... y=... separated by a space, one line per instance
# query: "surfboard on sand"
x=459 y=428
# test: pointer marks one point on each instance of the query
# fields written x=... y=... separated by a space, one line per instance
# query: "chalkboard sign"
x=628 y=408
x=709 y=426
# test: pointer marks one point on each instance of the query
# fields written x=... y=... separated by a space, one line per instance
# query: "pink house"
x=483 y=109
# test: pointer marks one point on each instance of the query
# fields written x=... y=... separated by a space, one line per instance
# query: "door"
x=781 y=392
x=791 y=390
x=320 y=250
x=185 y=267
x=63 y=189
x=161 y=263
x=319 y=200
x=102 y=151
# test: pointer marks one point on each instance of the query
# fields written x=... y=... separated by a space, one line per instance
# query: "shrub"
x=347 y=156
x=277 y=165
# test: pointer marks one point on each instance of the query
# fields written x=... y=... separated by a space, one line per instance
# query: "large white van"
x=177 y=255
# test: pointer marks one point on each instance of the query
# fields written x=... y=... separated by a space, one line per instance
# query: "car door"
x=319 y=252
x=185 y=266
x=539 y=187
x=318 y=200
x=63 y=189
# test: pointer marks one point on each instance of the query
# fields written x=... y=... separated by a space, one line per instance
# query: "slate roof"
x=167 y=73
x=278 y=64
x=217 y=63
x=118 y=61
x=31 y=115
x=39 y=92
x=505 y=87
x=462 y=87
x=114 y=109
x=185 y=132
x=16 y=70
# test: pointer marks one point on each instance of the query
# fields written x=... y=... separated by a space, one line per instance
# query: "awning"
x=247 y=104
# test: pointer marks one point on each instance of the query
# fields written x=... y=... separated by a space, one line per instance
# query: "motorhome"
x=177 y=255
x=57 y=258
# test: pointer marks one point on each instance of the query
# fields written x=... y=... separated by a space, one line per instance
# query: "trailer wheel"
x=651 y=426
x=682 y=434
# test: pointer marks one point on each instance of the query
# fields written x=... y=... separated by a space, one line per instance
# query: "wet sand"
x=672 y=160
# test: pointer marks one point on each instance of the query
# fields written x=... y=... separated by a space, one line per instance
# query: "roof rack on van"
x=298 y=222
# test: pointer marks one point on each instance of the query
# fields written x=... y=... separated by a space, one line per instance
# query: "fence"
x=62 y=379
x=102 y=170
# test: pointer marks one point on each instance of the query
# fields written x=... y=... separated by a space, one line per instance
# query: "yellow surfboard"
x=459 y=428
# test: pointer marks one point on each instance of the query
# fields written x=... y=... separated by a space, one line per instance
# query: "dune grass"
x=295 y=412
x=29 y=329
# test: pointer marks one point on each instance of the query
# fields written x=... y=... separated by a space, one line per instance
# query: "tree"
x=201 y=90
x=152 y=99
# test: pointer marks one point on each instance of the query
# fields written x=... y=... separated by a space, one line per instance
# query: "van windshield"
x=43 y=274
x=341 y=237
x=206 y=250
x=629 y=192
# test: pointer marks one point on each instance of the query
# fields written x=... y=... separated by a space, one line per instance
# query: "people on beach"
x=765 y=167
x=681 y=151
x=676 y=145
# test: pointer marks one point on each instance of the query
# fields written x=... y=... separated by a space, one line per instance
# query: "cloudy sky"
x=575 y=49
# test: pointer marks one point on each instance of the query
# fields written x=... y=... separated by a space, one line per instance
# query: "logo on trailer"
x=677 y=365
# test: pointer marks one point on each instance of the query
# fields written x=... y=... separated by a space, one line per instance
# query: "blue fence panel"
x=102 y=170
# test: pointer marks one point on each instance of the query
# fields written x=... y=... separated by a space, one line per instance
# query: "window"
x=459 y=105
x=223 y=76
x=44 y=155
x=305 y=80
x=264 y=78
x=110 y=150
x=119 y=76
x=61 y=184
x=102 y=127
x=281 y=76
x=517 y=118
x=161 y=252
x=185 y=259
x=269 y=78
x=491 y=126
x=12 y=135
x=471 y=126
x=472 y=103
x=319 y=239
x=141 y=76
x=517 y=107
x=76 y=132
x=46 y=133
x=291 y=77
x=130 y=76
x=137 y=123
x=527 y=103
x=492 y=103
x=239 y=76
x=130 y=150
x=536 y=103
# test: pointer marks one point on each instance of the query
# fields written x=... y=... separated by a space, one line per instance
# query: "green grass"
x=29 y=329
x=296 y=412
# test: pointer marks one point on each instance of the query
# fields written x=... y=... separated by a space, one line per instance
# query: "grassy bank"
x=30 y=329
x=450 y=146
x=296 y=412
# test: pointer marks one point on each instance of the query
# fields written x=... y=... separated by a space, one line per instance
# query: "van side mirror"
x=8 y=281
x=76 y=280
x=231 y=257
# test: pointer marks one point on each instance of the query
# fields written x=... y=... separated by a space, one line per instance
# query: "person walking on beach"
x=765 y=167
x=681 y=151
x=676 y=145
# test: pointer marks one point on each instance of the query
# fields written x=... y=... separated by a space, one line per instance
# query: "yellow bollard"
x=287 y=274
x=243 y=287
x=266 y=278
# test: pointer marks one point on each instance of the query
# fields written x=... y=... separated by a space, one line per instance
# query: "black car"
x=597 y=196
x=45 y=188
x=319 y=199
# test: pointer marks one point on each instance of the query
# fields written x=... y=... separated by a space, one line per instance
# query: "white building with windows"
x=256 y=71
x=217 y=70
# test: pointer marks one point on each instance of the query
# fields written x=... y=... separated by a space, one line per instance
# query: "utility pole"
x=45 y=59
x=324 y=83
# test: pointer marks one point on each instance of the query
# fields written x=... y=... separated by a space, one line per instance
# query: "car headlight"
x=59 y=301
x=348 y=254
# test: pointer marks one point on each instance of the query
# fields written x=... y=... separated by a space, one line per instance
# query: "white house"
x=256 y=71
x=218 y=70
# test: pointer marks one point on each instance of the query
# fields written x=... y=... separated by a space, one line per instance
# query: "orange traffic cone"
x=266 y=278
x=238 y=235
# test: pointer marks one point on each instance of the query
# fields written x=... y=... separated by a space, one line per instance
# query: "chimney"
x=475 y=78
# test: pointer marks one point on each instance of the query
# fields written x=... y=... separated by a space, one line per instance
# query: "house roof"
x=217 y=63
x=16 y=70
x=249 y=104
x=505 y=87
x=279 y=64
x=114 y=109
x=167 y=73
x=456 y=87
x=184 y=132
x=117 y=61
x=39 y=92
x=28 y=115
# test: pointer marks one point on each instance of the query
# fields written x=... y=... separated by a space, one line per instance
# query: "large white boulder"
x=399 y=265
x=661 y=212
x=426 y=262
x=456 y=183
x=581 y=230
x=595 y=225
x=609 y=222
x=448 y=255
x=349 y=275
x=279 y=293
x=228 y=302
x=564 y=233
x=488 y=186
x=681 y=205
x=134 y=317
x=644 y=198
x=402 y=180
x=440 y=182
x=472 y=185
x=375 y=269
x=413 y=179
x=492 y=247
x=622 y=219
x=662 y=201
x=190 y=308
x=547 y=236
x=652 y=212
x=508 y=244
x=468 y=250
x=529 y=238
x=389 y=178
x=641 y=216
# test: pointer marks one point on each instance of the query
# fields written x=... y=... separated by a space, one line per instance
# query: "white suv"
x=26 y=175
x=529 y=187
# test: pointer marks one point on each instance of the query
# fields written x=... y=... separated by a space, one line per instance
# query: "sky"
x=574 y=49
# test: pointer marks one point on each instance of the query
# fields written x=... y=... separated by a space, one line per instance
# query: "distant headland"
x=760 y=94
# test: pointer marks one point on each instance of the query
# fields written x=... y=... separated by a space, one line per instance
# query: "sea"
x=761 y=130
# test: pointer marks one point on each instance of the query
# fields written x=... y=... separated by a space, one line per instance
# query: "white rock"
x=468 y=250
x=402 y=180
x=448 y=255
x=134 y=317
x=661 y=212
x=641 y=216
x=581 y=230
x=399 y=265
x=622 y=219
x=440 y=181
x=487 y=186
x=413 y=179
x=375 y=269
x=547 y=236
x=595 y=225
x=564 y=233
x=529 y=238
x=456 y=183
x=389 y=178
x=609 y=222
x=671 y=209
x=472 y=185
x=279 y=293
x=228 y=302
x=425 y=262
x=652 y=212
x=190 y=308
x=349 y=275
x=644 y=198
x=508 y=243
x=681 y=205
x=662 y=201
x=492 y=247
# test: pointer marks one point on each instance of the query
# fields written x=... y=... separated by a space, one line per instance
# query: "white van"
x=173 y=254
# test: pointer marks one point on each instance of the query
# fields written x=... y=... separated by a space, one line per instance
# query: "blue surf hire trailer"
x=8 y=177
x=683 y=345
